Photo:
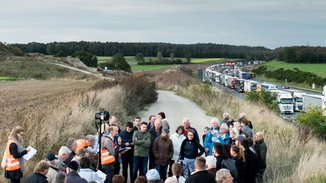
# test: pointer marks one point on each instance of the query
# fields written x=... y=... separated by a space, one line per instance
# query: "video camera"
x=104 y=116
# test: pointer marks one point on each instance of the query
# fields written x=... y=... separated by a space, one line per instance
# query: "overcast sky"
x=271 y=23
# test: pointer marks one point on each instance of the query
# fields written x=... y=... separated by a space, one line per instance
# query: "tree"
x=172 y=56
x=188 y=58
x=139 y=58
x=87 y=58
x=159 y=57
x=119 y=62
x=315 y=120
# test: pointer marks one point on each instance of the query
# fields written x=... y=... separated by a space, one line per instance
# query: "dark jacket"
x=154 y=135
x=74 y=177
x=35 y=178
x=127 y=137
x=241 y=167
x=201 y=176
x=261 y=150
x=15 y=174
x=163 y=151
x=251 y=168
x=189 y=149
x=196 y=137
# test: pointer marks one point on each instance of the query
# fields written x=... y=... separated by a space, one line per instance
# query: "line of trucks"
x=289 y=101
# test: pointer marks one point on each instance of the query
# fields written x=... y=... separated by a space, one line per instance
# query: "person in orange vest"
x=88 y=141
x=12 y=162
x=109 y=150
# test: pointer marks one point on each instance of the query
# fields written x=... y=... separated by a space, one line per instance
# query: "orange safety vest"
x=11 y=162
x=81 y=144
x=106 y=157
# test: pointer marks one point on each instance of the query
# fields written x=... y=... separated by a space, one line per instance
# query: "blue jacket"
x=210 y=139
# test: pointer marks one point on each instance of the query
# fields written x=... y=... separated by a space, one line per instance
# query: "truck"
x=285 y=101
x=297 y=100
x=243 y=75
x=318 y=101
x=231 y=82
x=250 y=85
x=268 y=86
x=239 y=85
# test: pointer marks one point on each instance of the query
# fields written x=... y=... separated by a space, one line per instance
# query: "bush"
x=119 y=62
x=87 y=58
x=266 y=98
x=315 y=120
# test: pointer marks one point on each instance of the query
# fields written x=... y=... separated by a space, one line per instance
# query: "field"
x=319 y=69
x=206 y=60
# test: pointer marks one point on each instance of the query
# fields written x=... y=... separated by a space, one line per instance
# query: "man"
x=211 y=136
x=88 y=141
x=72 y=175
x=151 y=121
x=113 y=121
x=87 y=173
x=127 y=155
x=200 y=174
x=211 y=165
x=261 y=150
x=63 y=155
x=53 y=171
x=109 y=150
x=223 y=176
x=155 y=132
x=39 y=175
x=137 y=123
x=187 y=127
x=142 y=141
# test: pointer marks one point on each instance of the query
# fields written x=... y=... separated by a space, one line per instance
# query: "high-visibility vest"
x=106 y=157
x=11 y=162
x=81 y=144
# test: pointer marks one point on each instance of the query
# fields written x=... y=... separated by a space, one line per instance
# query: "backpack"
x=230 y=165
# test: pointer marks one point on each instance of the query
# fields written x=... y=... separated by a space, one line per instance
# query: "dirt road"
x=176 y=108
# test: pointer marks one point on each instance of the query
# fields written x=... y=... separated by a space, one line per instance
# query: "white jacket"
x=89 y=175
x=177 y=141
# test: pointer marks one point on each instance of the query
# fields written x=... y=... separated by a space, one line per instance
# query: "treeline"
x=295 y=75
x=207 y=50
x=302 y=54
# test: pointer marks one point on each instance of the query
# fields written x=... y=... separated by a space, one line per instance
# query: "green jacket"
x=261 y=149
x=141 y=142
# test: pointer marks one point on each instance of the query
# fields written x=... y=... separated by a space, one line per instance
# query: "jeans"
x=139 y=163
x=188 y=166
x=162 y=171
x=109 y=171
x=127 y=159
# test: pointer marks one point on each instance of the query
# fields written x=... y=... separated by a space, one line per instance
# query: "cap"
x=240 y=138
x=50 y=157
x=152 y=175
x=166 y=130
x=73 y=165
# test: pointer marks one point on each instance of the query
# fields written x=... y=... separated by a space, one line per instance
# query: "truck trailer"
x=318 y=101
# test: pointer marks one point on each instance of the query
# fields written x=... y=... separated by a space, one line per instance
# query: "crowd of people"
x=229 y=152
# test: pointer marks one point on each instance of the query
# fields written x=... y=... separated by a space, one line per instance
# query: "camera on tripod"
x=104 y=116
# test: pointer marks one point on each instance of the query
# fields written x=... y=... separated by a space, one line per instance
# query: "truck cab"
x=285 y=101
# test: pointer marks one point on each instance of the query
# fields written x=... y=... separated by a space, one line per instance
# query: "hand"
x=127 y=144
x=206 y=150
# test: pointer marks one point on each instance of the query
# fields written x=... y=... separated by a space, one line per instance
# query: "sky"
x=272 y=24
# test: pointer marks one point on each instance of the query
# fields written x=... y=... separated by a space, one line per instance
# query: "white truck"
x=297 y=100
x=249 y=85
x=285 y=101
x=318 y=101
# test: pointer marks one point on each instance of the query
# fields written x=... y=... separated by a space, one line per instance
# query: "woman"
x=189 y=152
x=177 y=171
x=177 y=139
x=13 y=162
x=163 y=151
x=211 y=136
x=223 y=176
x=223 y=137
x=239 y=157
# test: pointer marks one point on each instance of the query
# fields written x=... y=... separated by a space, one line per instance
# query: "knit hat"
x=73 y=165
x=50 y=157
x=240 y=138
x=152 y=175
x=166 y=130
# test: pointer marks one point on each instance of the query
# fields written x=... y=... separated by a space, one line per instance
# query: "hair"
x=144 y=123
x=200 y=163
x=111 y=128
x=191 y=131
x=141 y=179
x=60 y=177
x=118 y=179
x=245 y=143
x=41 y=166
x=15 y=131
x=218 y=148
x=221 y=174
x=225 y=126
x=150 y=117
x=129 y=124
x=226 y=115
x=226 y=151
x=138 y=117
x=245 y=121
x=180 y=127
x=85 y=162
x=238 y=151
x=242 y=115
x=210 y=162
x=90 y=137
x=176 y=169
x=216 y=120
x=70 y=142
x=171 y=180
x=162 y=115
x=82 y=153
x=64 y=150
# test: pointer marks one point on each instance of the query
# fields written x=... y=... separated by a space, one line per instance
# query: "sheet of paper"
x=101 y=175
x=32 y=151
